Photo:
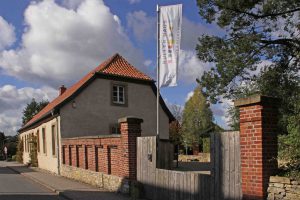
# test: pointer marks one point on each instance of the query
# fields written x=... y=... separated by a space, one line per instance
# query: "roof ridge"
x=109 y=63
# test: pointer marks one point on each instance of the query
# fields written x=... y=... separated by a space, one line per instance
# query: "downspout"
x=57 y=147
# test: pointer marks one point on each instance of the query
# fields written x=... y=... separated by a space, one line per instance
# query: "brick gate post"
x=130 y=130
x=258 y=143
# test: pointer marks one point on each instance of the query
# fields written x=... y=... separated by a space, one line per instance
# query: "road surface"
x=14 y=186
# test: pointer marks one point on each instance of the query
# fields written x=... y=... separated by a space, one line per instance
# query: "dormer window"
x=119 y=96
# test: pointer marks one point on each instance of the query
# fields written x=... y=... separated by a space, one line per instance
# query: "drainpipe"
x=57 y=147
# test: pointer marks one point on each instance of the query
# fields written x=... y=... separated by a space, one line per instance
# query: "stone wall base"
x=201 y=157
x=97 y=179
x=282 y=188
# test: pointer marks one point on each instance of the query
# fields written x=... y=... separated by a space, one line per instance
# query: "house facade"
x=92 y=107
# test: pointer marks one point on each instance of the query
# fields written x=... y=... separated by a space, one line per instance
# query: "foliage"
x=2 y=137
x=32 y=109
x=11 y=144
x=175 y=132
x=197 y=118
x=33 y=151
x=20 y=149
x=2 y=141
x=206 y=145
x=258 y=52
x=233 y=115
x=175 y=126
x=258 y=33
x=14 y=158
x=289 y=145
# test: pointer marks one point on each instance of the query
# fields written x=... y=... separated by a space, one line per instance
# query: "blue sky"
x=44 y=44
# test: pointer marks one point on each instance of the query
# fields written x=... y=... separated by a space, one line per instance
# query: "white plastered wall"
x=46 y=160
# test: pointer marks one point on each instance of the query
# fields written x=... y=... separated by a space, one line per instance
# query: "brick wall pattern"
x=115 y=155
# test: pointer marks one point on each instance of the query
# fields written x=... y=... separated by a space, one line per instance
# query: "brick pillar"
x=130 y=130
x=258 y=143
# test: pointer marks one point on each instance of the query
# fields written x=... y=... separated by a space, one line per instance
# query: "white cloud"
x=14 y=100
x=7 y=34
x=134 y=1
x=61 y=44
x=220 y=112
x=143 y=26
x=72 y=3
x=190 y=67
x=189 y=95
x=148 y=63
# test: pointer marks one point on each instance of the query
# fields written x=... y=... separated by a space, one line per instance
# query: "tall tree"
x=32 y=109
x=197 y=118
x=259 y=51
x=2 y=142
x=175 y=126
x=2 y=137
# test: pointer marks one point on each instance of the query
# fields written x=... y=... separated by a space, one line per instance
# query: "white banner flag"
x=169 y=47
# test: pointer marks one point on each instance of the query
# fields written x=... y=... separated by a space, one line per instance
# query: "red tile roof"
x=115 y=65
x=119 y=66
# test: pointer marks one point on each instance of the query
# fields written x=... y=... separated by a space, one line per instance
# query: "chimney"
x=62 y=90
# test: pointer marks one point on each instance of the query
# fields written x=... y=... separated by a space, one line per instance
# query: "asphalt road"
x=14 y=186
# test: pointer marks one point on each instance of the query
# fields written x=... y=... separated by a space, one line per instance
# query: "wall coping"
x=94 y=137
x=131 y=120
x=255 y=99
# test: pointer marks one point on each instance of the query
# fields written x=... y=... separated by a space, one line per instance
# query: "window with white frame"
x=118 y=94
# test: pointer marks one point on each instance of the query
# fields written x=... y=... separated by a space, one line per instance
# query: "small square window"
x=118 y=94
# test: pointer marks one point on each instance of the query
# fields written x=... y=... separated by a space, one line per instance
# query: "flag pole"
x=157 y=73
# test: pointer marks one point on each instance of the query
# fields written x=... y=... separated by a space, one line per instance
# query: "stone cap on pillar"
x=130 y=120
x=256 y=99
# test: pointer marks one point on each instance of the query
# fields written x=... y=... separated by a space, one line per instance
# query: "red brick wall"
x=258 y=142
x=114 y=155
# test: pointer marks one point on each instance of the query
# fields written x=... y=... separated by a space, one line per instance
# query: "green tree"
x=258 y=53
x=197 y=118
x=257 y=33
x=11 y=144
x=2 y=142
x=175 y=126
x=33 y=151
x=289 y=146
x=32 y=109
x=20 y=149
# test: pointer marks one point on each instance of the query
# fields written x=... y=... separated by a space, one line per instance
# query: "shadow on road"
x=3 y=170
x=30 y=197
x=20 y=169
x=89 y=195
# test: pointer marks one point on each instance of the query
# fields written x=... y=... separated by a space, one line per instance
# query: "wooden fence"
x=167 y=184
x=226 y=166
x=222 y=184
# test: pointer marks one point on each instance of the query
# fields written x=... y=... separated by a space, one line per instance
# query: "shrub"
x=20 y=149
x=289 y=146
x=33 y=152
x=206 y=145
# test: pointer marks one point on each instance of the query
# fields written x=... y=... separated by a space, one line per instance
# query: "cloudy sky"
x=47 y=43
